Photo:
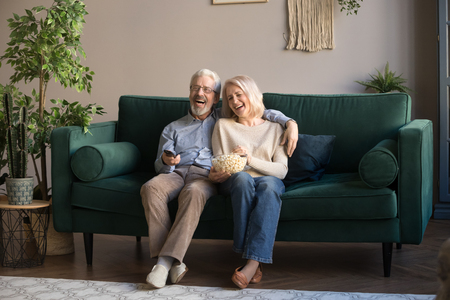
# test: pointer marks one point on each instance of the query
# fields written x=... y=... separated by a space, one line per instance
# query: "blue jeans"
x=256 y=210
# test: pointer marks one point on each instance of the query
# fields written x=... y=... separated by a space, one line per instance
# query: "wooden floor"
x=300 y=266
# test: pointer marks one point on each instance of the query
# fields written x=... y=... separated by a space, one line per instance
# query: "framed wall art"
x=238 y=1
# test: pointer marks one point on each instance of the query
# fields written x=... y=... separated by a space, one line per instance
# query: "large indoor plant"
x=48 y=48
x=386 y=82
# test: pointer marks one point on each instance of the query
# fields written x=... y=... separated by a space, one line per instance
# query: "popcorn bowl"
x=231 y=163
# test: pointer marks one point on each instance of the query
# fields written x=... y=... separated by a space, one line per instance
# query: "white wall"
x=150 y=47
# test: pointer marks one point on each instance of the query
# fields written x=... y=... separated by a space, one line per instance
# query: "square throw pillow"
x=310 y=158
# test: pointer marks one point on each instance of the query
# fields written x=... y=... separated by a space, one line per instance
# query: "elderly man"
x=185 y=172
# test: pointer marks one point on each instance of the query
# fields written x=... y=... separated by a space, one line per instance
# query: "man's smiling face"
x=201 y=102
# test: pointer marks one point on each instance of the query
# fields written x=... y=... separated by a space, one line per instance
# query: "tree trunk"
x=42 y=90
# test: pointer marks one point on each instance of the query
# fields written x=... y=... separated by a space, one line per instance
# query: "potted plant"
x=351 y=6
x=49 y=48
x=386 y=83
x=19 y=186
x=16 y=95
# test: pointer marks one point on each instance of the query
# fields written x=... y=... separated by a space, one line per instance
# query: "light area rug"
x=18 y=288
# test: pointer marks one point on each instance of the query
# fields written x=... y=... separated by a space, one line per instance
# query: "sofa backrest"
x=142 y=120
x=359 y=121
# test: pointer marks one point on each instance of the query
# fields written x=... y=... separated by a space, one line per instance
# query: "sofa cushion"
x=310 y=158
x=337 y=196
x=100 y=161
x=378 y=168
x=121 y=195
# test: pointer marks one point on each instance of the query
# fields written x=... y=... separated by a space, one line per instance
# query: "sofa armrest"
x=415 y=185
x=64 y=142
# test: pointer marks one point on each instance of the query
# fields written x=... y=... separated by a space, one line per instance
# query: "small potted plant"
x=19 y=186
x=386 y=83
x=351 y=6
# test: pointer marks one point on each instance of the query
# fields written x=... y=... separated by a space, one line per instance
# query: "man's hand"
x=291 y=135
x=216 y=176
x=171 y=160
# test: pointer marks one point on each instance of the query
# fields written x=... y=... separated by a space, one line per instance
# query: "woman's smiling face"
x=238 y=101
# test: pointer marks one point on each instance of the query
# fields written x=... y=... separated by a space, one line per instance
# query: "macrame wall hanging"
x=311 y=25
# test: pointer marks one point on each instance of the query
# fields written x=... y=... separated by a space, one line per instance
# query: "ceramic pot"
x=19 y=190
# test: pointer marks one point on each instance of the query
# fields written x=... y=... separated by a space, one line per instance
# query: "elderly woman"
x=255 y=192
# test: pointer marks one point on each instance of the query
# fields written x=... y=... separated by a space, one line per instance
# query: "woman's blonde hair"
x=250 y=89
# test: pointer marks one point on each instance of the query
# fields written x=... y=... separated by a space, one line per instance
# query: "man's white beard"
x=198 y=112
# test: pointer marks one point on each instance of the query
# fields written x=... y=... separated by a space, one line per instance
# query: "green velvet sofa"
x=348 y=204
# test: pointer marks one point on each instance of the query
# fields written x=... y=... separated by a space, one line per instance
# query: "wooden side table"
x=23 y=233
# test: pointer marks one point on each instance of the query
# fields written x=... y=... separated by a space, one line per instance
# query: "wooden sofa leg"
x=138 y=239
x=387 y=258
x=88 y=247
x=399 y=246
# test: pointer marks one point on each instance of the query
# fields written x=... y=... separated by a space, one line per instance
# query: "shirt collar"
x=189 y=118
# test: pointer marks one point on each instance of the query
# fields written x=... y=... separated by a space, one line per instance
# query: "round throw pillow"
x=100 y=161
x=379 y=167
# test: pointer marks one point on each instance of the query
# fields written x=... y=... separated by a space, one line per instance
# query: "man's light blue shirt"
x=191 y=138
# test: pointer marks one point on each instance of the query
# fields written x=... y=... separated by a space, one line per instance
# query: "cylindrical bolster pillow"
x=379 y=167
x=100 y=161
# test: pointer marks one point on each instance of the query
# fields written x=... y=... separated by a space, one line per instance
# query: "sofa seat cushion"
x=119 y=194
x=122 y=195
x=337 y=196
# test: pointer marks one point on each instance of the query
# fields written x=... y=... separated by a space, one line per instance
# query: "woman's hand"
x=242 y=151
x=216 y=176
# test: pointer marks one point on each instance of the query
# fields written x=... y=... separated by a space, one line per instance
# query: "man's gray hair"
x=213 y=75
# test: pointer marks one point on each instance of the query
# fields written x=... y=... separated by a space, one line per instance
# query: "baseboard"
x=442 y=211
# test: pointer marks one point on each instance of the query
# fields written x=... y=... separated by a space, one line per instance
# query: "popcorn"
x=231 y=163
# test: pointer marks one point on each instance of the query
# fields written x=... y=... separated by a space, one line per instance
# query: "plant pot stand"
x=23 y=234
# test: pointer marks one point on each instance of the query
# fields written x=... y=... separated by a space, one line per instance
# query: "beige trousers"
x=193 y=188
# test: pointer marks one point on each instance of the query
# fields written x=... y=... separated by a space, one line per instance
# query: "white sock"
x=165 y=261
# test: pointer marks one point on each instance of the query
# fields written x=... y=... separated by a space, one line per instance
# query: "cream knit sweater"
x=262 y=142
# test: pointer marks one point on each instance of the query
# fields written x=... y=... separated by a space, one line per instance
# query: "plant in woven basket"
x=386 y=82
